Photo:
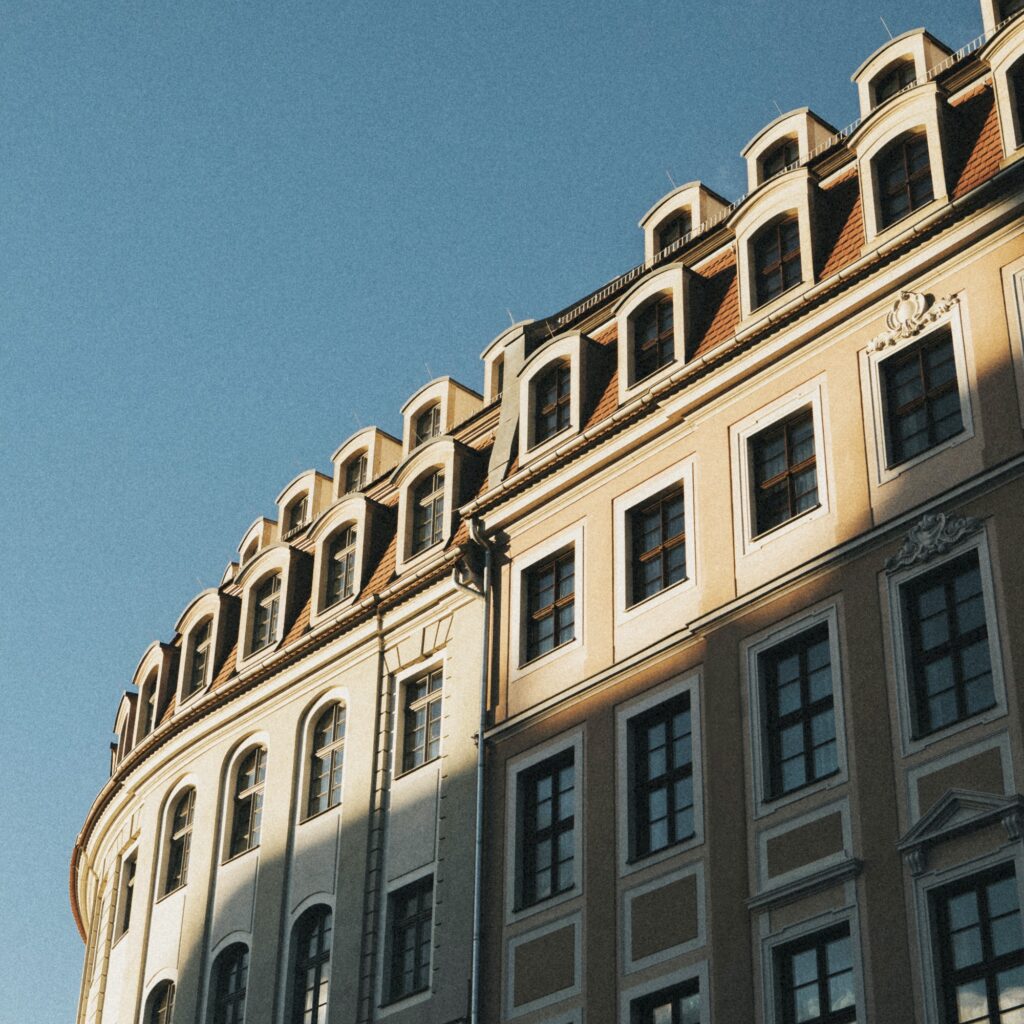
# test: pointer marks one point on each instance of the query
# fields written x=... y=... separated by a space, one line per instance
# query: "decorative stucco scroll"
x=911 y=313
x=933 y=534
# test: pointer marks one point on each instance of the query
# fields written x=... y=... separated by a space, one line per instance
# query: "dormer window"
x=428 y=511
x=776 y=252
x=250 y=552
x=149 y=705
x=355 y=474
x=895 y=78
x=779 y=157
x=653 y=337
x=428 y=425
x=200 y=641
x=677 y=226
x=298 y=513
x=552 y=396
x=904 y=178
x=341 y=566
x=499 y=377
x=267 y=603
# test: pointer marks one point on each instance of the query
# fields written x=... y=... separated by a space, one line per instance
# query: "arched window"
x=355 y=474
x=311 y=945
x=230 y=978
x=147 y=704
x=327 y=761
x=248 y=803
x=341 y=566
x=552 y=401
x=161 y=1004
x=428 y=511
x=777 y=266
x=904 y=178
x=677 y=226
x=428 y=425
x=200 y=657
x=894 y=79
x=779 y=157
x=267 y=602
x=653 y=337
x=297 y=513
x=180 y=841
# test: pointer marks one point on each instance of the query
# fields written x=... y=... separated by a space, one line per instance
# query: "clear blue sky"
x=230 y=234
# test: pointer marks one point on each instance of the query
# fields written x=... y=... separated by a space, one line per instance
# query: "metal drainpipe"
x=477 y=535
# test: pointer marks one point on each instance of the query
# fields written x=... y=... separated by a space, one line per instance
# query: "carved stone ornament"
x=933 y=534
x=917 y=860
x=911 y=313
x=1013 y=822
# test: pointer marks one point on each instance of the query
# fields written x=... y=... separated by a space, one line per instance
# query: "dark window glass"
x=661 y=751
x=1008 y=8
x=127 y=893
x=947 y=644
x=815 y=979
x=149 y=696
x=658 y=540
x=894 y=79
x=328 y=760
x=200 y=657
x=552 y=394
x=499 y=377
x=311 y=945
x=248 y=804
x=355 y=474
x=981 y=949
x=904 y=178
x=676 y=227
x=800 y=722
x=1015 y=78
x=411 y=911
x=297 y=513
x=230 y=977
x=550 y=603
x=785 y=471
x=422 y=727
x=161 y=1004
x=264 y=617
x=679 y=1004
x=653 y=337
x=547 y=803
x=922 y=402
x=341 y=566
x=777 y=266
x=428 y=511
x=428 y=425
x=180 y=841
x=779 y=158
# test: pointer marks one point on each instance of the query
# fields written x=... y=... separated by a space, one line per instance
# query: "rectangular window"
x=981 y=949
x=550 y=603
x=422 y=727
x=785 y=471
x=127 y=893
x=922 y=399
x=547 y=808
x=410 y=916
x=800 y=727
x=947 y=651
x=658 y=539
x=815 y=979
x=661 y=756
x=679 y=1004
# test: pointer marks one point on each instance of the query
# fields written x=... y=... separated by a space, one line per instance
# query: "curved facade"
x=725 y=567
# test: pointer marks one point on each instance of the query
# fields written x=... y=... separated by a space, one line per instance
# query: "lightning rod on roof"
x=670 y=178
x=511 y=318
x=887 y=29
x=778 y=108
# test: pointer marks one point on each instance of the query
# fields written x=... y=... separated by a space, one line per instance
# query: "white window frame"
x=514 y=768
x=304 y=744
x=772 y=944
x=904 y=683
x=699 y=970
x=813 y=395
x=688 y=683
x=521 y=565
x=231 y=766
x=756 y=646
x=402 y=680
x=164 y=848
x=873 y=360
x=681 y=475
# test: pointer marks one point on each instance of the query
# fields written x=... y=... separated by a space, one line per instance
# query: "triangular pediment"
x=958 y=811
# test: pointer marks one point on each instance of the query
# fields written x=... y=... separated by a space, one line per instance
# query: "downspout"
x=477 y=535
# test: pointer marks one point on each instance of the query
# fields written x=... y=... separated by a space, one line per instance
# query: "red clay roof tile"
x=978 y=147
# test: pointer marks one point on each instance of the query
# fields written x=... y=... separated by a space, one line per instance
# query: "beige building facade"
x=725 y=566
